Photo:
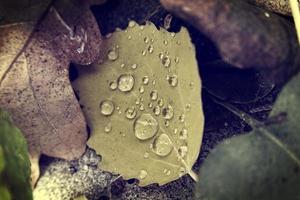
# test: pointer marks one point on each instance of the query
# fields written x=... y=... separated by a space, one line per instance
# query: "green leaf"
x=14 y=162
x=143 y=104
x=262 y=165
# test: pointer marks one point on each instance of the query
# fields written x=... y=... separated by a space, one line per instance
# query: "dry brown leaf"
x=35 y=86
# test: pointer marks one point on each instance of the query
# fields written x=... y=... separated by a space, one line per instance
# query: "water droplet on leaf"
x=167 y=112
x=113 y=85
x=125 y=82
x=166 y=61
x=130 y=113
x=154 y=95
x=108 y=128
x=145 y=127
x=112 y=55
x=145 y=80
x=156 y=110
x=183 y=134
x=143 y=174
x=107 y=107
x=173 y=80
x=162 y=145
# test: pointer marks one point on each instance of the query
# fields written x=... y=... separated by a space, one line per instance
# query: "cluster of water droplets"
x=145 y=117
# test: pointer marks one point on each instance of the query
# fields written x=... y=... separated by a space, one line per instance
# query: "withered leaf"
x=143 y=104
x=34 y=84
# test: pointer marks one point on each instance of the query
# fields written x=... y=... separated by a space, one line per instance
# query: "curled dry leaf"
x=246 y=36
x=34 y=85
x=143 y=104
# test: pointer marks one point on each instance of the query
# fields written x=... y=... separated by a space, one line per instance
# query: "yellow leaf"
x=143 y=104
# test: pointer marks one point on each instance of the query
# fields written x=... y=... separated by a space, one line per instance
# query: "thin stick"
x=296 y=14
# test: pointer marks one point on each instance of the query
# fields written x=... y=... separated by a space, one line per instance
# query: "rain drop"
x=134 y=66
x=167 y=112
x=143 y=174
x=129 y=37
x=182 y=151
x=188 y=107
x=173 y=34
x=122 y=65
x=144 y=52
x=176 y=60
x=167 y=123
x=150 y=49
x=161 y=55
x=142 y=107
x=183 y=134
x=160 y=102
x=182 y=118
x=113 y=85
x=125 y=82
x=165 y=42
x=162 y=145
x=146 y=155
x=130 y=113
x=145 y=80
x=112 y=55
x=173 y=80
x=141 y=90
x=131 y=24
x=145 y=127
x=107 y=128
x=146 y=40
x=107 y=107
x=150 y=105
x=154 y=95
x=156 y=110
x=166 y=61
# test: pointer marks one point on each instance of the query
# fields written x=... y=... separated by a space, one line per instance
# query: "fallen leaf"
x=34 y=84
x=14 y=162
x=263 y=164
x=143 y=105
x=246 y=36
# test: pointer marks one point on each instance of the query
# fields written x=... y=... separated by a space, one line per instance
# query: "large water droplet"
x=161 y=55
x=168 y=112
x=130 y=113
x=154 y=95
x=107 y=107
x=125 y=82
x=143 y=174
x=166 y=61
x=173 y=80
x=145 y=127
x=112 y=55
x=162 y=145
x=145 y=80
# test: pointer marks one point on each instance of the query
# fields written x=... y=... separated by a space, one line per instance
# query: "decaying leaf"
x=14 y=162
x=143 y=104
x=34 y=84
x=264 y=164
x=246 y=36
